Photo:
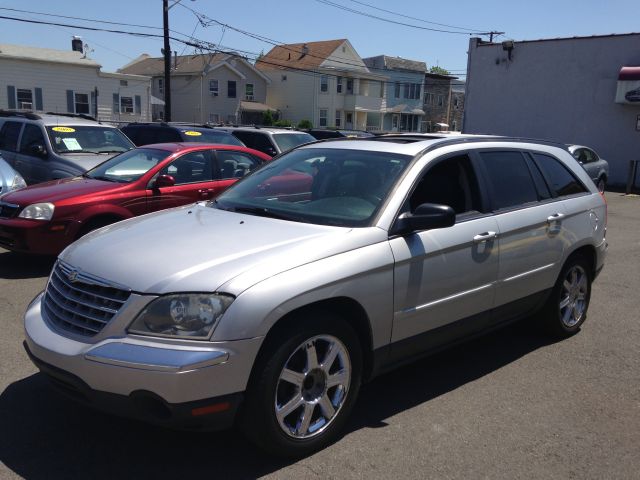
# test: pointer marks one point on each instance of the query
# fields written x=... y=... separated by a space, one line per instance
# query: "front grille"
x=80 y=303
x=8 y=210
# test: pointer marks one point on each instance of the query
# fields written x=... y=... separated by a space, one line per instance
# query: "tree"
x=439 y=70
x=267 y=118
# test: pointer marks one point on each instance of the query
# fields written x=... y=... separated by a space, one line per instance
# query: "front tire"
x=566 y=309
x=304 y=387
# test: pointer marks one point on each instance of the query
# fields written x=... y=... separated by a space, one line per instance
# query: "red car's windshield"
x=129 y=166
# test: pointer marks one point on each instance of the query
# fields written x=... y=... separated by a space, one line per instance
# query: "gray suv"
x=45 y=147
x=269 y=140
x=271 y=305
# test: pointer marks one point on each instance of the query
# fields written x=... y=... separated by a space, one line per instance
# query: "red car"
x=46 y=217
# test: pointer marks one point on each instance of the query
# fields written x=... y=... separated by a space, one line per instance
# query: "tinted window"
x=559 y=178
x=9 y=136
x=190 y=168
x=511 y=182
x=287 y=141
x=256 y=140
x=450 y=182
x=235 y=164
x=541 y=185
x=209 y=136
x=31 y=137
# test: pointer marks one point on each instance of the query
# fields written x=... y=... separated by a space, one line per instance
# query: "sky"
x=295 y=21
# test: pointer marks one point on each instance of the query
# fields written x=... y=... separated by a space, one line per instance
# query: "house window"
x=406 y=90
x=214 y=118
x=124 y=83
x=339 y=84
x=126 y=104
x=396 y=90
x=161 y=85
x=350 y=85
x=440 y=100
x=231 y=89
x=455 y=102
x=454 y=126
x=324 y=83
x=323 y=117
x=213 y=87
x=412 y=91
x=25 y=98
x=248 y=91
x=429 y=98
x=417 y=95
x=338 y=118
x=81 y=102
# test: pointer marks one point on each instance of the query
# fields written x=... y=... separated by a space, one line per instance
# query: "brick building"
x=443 y=103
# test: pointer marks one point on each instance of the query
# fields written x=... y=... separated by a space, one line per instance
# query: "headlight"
x=188 y=315
x=18 y=182
x=38 y=211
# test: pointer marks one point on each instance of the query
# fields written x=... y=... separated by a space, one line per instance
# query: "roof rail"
x=19 y=113
x=73 y=115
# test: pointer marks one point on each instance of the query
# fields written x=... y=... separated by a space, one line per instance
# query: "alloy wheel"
x=573 y=296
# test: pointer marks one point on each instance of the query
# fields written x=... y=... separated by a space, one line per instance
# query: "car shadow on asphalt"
x=46 y=436
x=14 y=266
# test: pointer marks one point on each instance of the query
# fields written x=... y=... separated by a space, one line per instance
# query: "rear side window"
x=258 y=141
x=233 y=164
x=559 y=178
x=9 y=134
x=510 y=180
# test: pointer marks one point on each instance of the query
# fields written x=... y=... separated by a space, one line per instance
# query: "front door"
x=443 y=276
x=348 y=124
x=32 y=155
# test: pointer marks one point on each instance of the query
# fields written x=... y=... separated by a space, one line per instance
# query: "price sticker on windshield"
x=192 y=133
x=63 y=129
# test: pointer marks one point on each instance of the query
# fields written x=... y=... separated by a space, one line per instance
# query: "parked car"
x=9 y=178
x=44 y=147
x=274 y=304
x=270 y=140
x=324 y=133
x=596 y=167
x=47 y=217
x=148 y=133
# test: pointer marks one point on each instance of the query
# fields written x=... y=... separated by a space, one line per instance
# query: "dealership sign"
x=628 y=90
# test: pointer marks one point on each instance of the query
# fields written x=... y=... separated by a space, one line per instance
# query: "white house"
x=46 y=80
x=325 y=82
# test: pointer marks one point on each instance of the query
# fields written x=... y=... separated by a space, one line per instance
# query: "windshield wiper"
x=106 y=179
x=265 y=212
x=110 y=151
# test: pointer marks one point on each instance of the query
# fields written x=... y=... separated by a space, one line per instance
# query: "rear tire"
x=602 y=183
x=304 y=386
x=566 y=309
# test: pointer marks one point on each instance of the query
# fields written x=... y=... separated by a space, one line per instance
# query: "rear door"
x=530 y=226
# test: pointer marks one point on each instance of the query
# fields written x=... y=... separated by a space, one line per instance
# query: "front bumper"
x=178 y=384
x=35 y=236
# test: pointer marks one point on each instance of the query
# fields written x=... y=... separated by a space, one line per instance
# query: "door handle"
x=556 y=217
x=483 y=237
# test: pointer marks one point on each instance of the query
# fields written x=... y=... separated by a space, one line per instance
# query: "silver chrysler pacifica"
x=339 y=260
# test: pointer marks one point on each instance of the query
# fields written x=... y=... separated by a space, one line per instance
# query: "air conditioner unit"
x=249 y=97
x=214 y=94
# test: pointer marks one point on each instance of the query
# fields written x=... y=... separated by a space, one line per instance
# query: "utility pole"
x=167 y=62
x=491 y=34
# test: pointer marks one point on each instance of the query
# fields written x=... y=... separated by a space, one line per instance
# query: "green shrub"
x=305 y=124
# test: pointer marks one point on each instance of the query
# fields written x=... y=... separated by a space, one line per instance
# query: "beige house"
x=214 y=88
x=46 y=80
x=325 y=82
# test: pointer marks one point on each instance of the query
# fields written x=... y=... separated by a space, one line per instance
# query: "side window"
x=559 y=178
x=510 y=180
x=31 y=137
x=234 y=164
x=255 y=140
x=9 y=136
x=450 y=182
x=168 y=135
x=190 y=168
x=588 y=156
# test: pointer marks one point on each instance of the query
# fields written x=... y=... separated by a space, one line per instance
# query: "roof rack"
x=19 y=113
x=73 y=115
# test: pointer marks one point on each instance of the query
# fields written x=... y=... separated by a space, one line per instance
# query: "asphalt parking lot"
x=509 y=405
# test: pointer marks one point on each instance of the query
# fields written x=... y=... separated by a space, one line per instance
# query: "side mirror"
x=271 y=151
x=164 y=181
x=38 y=150
x=426 y=217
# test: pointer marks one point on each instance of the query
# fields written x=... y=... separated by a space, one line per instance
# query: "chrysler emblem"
x=73 y=276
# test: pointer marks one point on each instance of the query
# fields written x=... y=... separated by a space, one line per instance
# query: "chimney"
x=305 y=50
x=76 y=44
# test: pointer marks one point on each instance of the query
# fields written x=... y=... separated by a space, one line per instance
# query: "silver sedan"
x=9 y=178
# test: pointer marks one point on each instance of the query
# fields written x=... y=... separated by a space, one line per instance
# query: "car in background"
x=275 y=302
x=324 y=133
x=270 y=140
x=149 y=133
x=45 y=218
x=44 y=147
x=596 y=167
x=9 y=178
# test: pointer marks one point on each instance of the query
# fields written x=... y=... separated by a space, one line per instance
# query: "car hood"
x=200 y=249
x=57 y=190
x=86 y=161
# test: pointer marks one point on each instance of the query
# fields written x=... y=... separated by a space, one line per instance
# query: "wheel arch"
x=100 y=219
x=589 y=253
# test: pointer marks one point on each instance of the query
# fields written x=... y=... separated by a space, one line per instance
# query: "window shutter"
x=116 y=103
x=38 y=99
x=11 y=96
x=92 y=107
x=138 y=102
x=70 y=105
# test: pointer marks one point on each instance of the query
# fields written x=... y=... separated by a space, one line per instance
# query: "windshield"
x=210 y=136
x=88 y=138
x=129 y=166
x=318 y=185
x=286 y=141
